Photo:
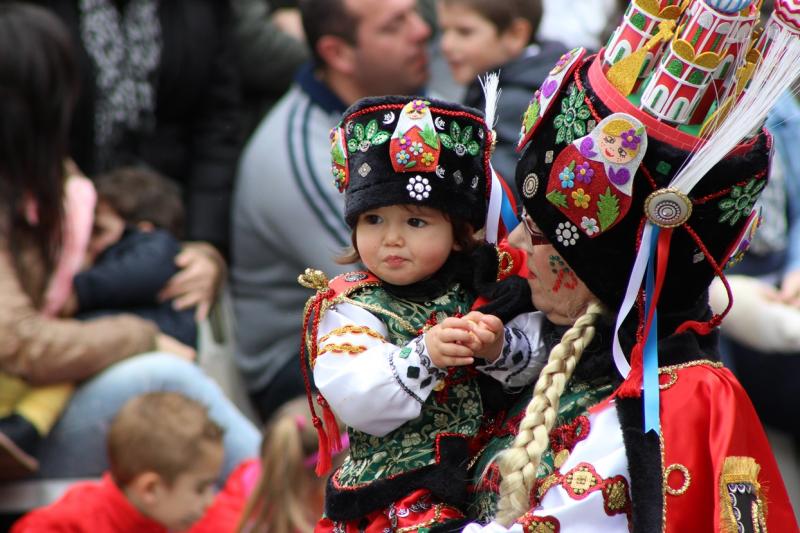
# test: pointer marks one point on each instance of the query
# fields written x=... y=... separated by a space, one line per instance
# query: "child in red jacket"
x=165 y=455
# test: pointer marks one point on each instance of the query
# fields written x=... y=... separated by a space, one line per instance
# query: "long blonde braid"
x=519 y=463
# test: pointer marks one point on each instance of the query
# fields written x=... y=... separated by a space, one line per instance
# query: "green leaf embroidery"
x=430 y=138
x=455 y=131
x=573 y=96
x=466 y=135
x=358 y=131
x=337 y=155
x=411 y=164
x=740 y=202
x=571 y=165
x=557 y=198
x=446 y=141
x=607 y=209
x=372 y=129
x=473 y=148
x=380 y=138
x=352 y=145
x=561 y=135
x=532 y=115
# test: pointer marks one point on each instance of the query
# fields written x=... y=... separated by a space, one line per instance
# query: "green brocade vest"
x=455 y=408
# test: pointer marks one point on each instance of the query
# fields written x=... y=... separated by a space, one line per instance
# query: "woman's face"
x=556 y=290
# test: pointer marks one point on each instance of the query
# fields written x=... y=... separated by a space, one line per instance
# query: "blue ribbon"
x=507 y=214
x=650 y=364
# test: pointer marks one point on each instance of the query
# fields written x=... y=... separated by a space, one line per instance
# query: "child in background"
x=165 y=454
x=138 y=221
x=392 y=349
x=131 y=249
x=278 y=493
x=485 y=35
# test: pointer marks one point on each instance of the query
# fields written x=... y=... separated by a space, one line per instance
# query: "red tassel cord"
x=332 y=425
x=704 y=328
x=307 y=361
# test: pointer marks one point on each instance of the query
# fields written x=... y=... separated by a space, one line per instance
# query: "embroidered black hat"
x=595 y=170
x=408 y=150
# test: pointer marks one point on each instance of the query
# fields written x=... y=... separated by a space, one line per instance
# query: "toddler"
x=396 y=352
x=131 y=254
x=278 y=493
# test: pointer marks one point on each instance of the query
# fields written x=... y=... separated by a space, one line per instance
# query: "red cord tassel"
x=632 y=386
x=331 y=425
x=324 y=456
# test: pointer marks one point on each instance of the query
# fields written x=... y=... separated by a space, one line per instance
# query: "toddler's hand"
x=488 y=335
x=450 y=343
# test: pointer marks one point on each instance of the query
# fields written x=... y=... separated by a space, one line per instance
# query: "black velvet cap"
x=397 y=150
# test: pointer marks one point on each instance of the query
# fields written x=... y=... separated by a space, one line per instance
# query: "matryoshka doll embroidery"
x=591 y=180
x=415 y=145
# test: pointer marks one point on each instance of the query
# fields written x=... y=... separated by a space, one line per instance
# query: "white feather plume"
x=491 y=93
x=774 y=75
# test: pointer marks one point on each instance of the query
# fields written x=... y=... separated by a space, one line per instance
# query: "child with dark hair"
x=395 y=350
x=484 y=35
x=165 y=454
x=138 y=221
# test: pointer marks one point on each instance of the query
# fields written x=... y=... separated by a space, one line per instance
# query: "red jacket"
x=90 y=507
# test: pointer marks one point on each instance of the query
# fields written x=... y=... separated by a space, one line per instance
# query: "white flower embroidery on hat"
x=567 y=234
x=418 y=187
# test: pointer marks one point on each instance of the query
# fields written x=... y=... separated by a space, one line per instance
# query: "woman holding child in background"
x=38 y=84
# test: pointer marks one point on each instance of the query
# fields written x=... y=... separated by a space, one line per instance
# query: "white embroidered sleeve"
x=492 y=527
x=372 y=385
x=523 y=355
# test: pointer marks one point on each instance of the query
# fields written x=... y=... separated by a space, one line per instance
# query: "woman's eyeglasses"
x=535 y=234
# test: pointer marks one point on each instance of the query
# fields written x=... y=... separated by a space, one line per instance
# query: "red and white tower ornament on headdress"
x=640 y=24
x=732 y=53
x=677 y=86
x=785 y=17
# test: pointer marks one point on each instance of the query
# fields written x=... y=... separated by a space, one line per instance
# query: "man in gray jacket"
x=287 y=214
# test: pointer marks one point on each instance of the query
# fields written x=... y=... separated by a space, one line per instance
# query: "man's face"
x=391 y=46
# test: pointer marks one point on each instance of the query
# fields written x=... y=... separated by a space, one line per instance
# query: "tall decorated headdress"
x=648 y=159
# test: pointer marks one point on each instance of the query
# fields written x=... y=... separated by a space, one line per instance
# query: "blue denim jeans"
x=76 y=446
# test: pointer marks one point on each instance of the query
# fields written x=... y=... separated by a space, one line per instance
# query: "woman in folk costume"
x=634 y=424
x=395 y=351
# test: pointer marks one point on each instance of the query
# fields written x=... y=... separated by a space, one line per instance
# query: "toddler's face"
x=184 y=502
x=404 y=244
x=107 y=229
x=471 y=44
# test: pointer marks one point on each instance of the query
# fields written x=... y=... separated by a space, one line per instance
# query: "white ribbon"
x=631 y=294
x=495 y=206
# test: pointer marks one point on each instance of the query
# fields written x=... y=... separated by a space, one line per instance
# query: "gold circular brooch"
x=668 y=208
